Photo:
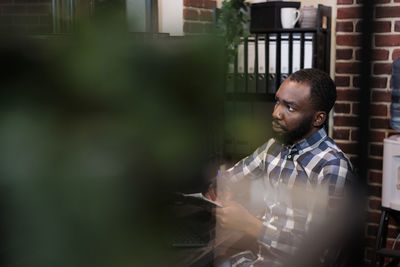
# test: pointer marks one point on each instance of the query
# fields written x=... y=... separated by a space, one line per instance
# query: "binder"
x=296 y=52
x=251 y=62
x=261 y=81
x=240 y=78
x=272 y=64
x=284 y=57
x=308 y=50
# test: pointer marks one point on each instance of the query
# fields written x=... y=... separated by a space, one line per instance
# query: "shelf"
x=293 y=30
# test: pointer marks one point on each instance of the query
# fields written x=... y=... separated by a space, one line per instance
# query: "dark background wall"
x=385 y=49
x=27 y=16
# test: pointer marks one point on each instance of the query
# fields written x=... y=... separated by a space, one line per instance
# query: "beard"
x=287 y=137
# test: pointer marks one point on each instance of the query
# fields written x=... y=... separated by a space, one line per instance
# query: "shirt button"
x=289 y=157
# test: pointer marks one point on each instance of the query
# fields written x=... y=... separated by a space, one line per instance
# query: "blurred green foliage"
x=232 y=23
x=96 y=128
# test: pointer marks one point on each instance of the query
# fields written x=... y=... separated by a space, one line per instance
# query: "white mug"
x=289 y=17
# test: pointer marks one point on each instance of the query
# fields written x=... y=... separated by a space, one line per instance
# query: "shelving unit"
x=258 y=87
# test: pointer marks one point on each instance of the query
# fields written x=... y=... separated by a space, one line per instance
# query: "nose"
x=276 y=114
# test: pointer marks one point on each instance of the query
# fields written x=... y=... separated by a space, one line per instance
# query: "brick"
x=397 y=26
x=387 y=11
x=375 y=1
x=396 y=54
x=209 y=4
x=191 y=14
x=342 y=108
x=387 y=40
x=382 y=26
x=375 y=177
x=374 y=204
x=378 y=110
x=344 y=53
x=378 y=26
x=374 y=190
x=349 y=40
x=349 y=12
x=355 y=108
x=377 y=54
x=348 y=94
x=342 y=134
x=376 y=136
x=348 y=68
x=382 y=68
x=350 y=148
x=381 y=96
x=193 y=3
x=354 y=135
x=378 y=82
x=376 y=150
x=344 y=26
x=345 y=121
x=344 y=2
x=206 y=15
x=342 y=81
x=375 y=164
x=192 y=27
x=375 y=82
x=372 y=230
x=379 y=123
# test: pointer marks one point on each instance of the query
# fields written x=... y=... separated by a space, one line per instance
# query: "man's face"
x=292 y=119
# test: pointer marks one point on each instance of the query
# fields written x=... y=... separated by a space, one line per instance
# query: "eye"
x=291 y=109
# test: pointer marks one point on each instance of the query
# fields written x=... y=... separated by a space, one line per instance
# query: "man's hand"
x=210 y=194
x=234 y=216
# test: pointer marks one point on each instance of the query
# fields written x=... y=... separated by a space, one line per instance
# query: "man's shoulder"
x=326 y=150
x=333 y=153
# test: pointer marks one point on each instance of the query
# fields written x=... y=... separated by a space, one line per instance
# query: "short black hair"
x=322 y=88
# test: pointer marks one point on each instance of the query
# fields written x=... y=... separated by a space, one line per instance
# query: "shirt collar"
x=312 y=140
x=309 y=142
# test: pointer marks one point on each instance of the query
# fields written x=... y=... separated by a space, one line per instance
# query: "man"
x=301 y=168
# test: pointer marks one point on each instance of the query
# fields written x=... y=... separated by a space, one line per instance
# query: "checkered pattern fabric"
x=300 y=181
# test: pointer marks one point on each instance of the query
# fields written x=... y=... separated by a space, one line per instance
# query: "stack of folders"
x=262 y=82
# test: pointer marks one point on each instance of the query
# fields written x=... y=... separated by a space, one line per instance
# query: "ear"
x=319 y=118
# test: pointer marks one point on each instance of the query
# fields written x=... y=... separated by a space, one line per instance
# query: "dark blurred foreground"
x=95 y=129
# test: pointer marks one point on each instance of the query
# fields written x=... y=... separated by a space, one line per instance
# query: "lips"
x=277 y=127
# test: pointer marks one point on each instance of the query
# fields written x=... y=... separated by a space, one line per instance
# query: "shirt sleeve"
x=250 y=167
x=284 y=240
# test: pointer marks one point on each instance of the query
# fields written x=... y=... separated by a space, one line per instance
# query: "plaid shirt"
x=299 y=182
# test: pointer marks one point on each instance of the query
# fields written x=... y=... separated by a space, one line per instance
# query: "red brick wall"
x=386 y=39
x=197 y=15
x=25 y=16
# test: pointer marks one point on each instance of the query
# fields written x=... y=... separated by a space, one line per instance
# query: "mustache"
x=276 y=121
